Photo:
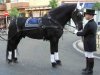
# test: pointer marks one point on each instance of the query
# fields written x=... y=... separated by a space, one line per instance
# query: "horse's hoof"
x=9 y=61
x=54 y=65
x=15 y=60
x=58 y=62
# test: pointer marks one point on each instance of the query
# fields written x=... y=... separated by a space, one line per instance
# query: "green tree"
x=53 y=3
x=14 y=12
x=96 y=6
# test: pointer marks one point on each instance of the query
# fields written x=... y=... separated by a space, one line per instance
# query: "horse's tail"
x=17 y=51
x=7 y=52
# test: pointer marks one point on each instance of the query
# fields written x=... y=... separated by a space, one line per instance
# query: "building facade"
x=37 y=7
x=25 y=6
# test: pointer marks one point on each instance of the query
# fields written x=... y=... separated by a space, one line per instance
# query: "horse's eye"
x=81 y=13
x=78 y=14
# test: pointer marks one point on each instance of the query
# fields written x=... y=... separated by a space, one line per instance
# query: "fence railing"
x=98 y=39
x=3 y=31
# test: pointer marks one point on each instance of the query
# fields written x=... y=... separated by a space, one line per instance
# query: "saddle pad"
x=32 y=22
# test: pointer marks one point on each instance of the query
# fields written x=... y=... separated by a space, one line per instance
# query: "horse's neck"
x=63 y=14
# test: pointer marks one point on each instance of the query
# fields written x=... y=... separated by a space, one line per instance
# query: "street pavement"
x=79 y=44
x=34 y=58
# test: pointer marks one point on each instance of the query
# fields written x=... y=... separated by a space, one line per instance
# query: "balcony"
x=20 y=5
x=7 y=1
x=75 y=1
x=2 y=7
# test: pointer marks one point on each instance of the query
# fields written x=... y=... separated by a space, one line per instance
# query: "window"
x=23 y=0
x=8 y=1
x=14 y=1
x=26 y=0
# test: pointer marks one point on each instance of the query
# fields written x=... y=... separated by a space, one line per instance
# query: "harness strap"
x=56 y=22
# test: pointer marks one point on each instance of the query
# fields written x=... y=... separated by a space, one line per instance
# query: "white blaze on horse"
x=49 y=27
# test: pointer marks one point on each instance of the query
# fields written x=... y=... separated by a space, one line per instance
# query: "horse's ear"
x=83 y=5
x=78 y=5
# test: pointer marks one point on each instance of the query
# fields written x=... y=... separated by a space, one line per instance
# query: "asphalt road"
x=34 y=58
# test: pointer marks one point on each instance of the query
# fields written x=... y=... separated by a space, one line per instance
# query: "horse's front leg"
x=12 y=56
x=54 y=52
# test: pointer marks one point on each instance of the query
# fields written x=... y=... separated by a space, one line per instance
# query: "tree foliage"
x=53 y=3
x=96 y=6
x=14 y=12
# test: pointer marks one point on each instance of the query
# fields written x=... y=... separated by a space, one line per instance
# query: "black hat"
x=90 y=11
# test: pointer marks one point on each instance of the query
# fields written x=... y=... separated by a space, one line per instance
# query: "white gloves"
x=75 y=32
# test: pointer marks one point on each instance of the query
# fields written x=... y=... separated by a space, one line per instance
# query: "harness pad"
x=33 y=22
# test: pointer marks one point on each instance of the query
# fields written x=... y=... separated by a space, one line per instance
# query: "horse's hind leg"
x=14 y=52
x=11 y=49
x=54 y=52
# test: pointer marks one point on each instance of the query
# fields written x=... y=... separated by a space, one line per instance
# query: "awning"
x=88 y=5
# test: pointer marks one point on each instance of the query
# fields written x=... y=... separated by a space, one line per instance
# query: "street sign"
x=6 y=13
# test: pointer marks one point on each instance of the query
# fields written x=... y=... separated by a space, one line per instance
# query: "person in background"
x=30 y=14
x=89 y=40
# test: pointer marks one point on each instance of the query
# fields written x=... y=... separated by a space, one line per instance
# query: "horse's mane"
x=63 y=8
x=63 y=13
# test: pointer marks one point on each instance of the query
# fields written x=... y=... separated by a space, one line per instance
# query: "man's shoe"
x=84 y=69
x=87 y=72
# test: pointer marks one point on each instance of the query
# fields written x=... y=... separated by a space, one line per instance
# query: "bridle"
x=76 y=13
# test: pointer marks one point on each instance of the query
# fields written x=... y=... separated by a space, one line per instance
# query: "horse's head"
x=77 y=16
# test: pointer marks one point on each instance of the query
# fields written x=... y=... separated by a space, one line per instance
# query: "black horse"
x=51 y=29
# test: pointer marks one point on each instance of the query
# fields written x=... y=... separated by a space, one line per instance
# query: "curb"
x=77 y=49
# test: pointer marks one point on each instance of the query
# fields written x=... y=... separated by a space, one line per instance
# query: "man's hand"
x=75 y=32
